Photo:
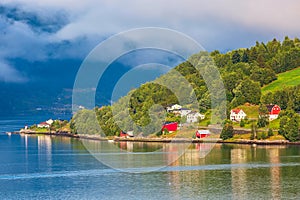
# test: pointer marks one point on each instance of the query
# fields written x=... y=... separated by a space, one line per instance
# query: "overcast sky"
x=40 y=30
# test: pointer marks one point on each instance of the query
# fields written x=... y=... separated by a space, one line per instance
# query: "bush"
x=242 y=123
x=270 y=132
x=262 y=122
x=258 y=136
x=227 y=132
x=159 y=133
x=166 y=131
x=264 y=135
x=289 y=127
x=261 y=136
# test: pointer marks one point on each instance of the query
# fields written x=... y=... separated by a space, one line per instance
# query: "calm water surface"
x=44 y=167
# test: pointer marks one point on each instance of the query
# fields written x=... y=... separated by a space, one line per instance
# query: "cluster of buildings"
x=238 y=114
x=191 y=116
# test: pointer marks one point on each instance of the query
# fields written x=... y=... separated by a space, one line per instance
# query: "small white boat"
x=110 y=141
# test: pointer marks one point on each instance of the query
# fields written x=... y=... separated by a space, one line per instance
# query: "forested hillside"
x=244 y=73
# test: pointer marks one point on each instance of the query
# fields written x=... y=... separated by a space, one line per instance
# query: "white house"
x=237 y=115
x=50 y=121
x=194 y=117
x=174 y=107
x=184 y=112
x=43 y=125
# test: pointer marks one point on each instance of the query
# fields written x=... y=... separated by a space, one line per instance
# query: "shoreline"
x=162 y=140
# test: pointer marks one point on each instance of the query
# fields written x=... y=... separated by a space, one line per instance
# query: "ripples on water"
x=39 y=167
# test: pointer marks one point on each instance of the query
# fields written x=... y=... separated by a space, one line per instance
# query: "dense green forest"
x=244 y=72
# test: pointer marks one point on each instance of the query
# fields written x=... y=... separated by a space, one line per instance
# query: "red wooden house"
x=123 y=134
x=202 y=133
x=274 y=111
x=171 y=126
x=126 y=134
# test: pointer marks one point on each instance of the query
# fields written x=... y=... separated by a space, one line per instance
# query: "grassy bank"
x=289 y=78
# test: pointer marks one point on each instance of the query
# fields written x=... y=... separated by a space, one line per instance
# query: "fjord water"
x=45 y=167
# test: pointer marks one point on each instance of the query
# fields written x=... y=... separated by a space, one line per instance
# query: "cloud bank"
x=40 y=30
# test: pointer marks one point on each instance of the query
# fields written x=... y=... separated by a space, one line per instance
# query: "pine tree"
x=236 y=57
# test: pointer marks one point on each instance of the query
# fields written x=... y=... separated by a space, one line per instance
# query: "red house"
x=202 y=133
x=123 y=134
x=274 y=111
x=128 y=134
x=171 y=126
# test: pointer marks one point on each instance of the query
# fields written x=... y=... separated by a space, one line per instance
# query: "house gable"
x=237 y=114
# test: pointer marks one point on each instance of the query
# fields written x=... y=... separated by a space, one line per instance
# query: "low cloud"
x=8 y=74
x=74 y=27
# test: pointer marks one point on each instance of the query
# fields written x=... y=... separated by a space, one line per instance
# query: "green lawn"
x=250 y=110
x=289 y=78
x=274 y=124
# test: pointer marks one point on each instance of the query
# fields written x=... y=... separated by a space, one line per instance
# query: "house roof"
x=44 y=123
x=236 y=111
x=203 y=131
x=193 y=113
x=168 y=123
x=269 y=107
x=185 y=109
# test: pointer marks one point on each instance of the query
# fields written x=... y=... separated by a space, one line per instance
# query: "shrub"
x=270 y=132
x=227 y=132
x=165 y=131
x=159 y=133
x=264 y=135
x=242 y=123
x=261 y=136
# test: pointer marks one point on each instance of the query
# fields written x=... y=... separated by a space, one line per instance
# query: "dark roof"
x=193 y=112
x=167 y=123
x=185 y=109
x=269 y=107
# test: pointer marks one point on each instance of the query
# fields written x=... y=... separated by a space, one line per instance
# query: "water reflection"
x=239 y=182
x=139 y=155
x=275 y=173
x=45 y=149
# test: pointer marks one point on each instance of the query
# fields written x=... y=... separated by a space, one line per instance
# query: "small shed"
x=126 y=134
x=202 y=133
